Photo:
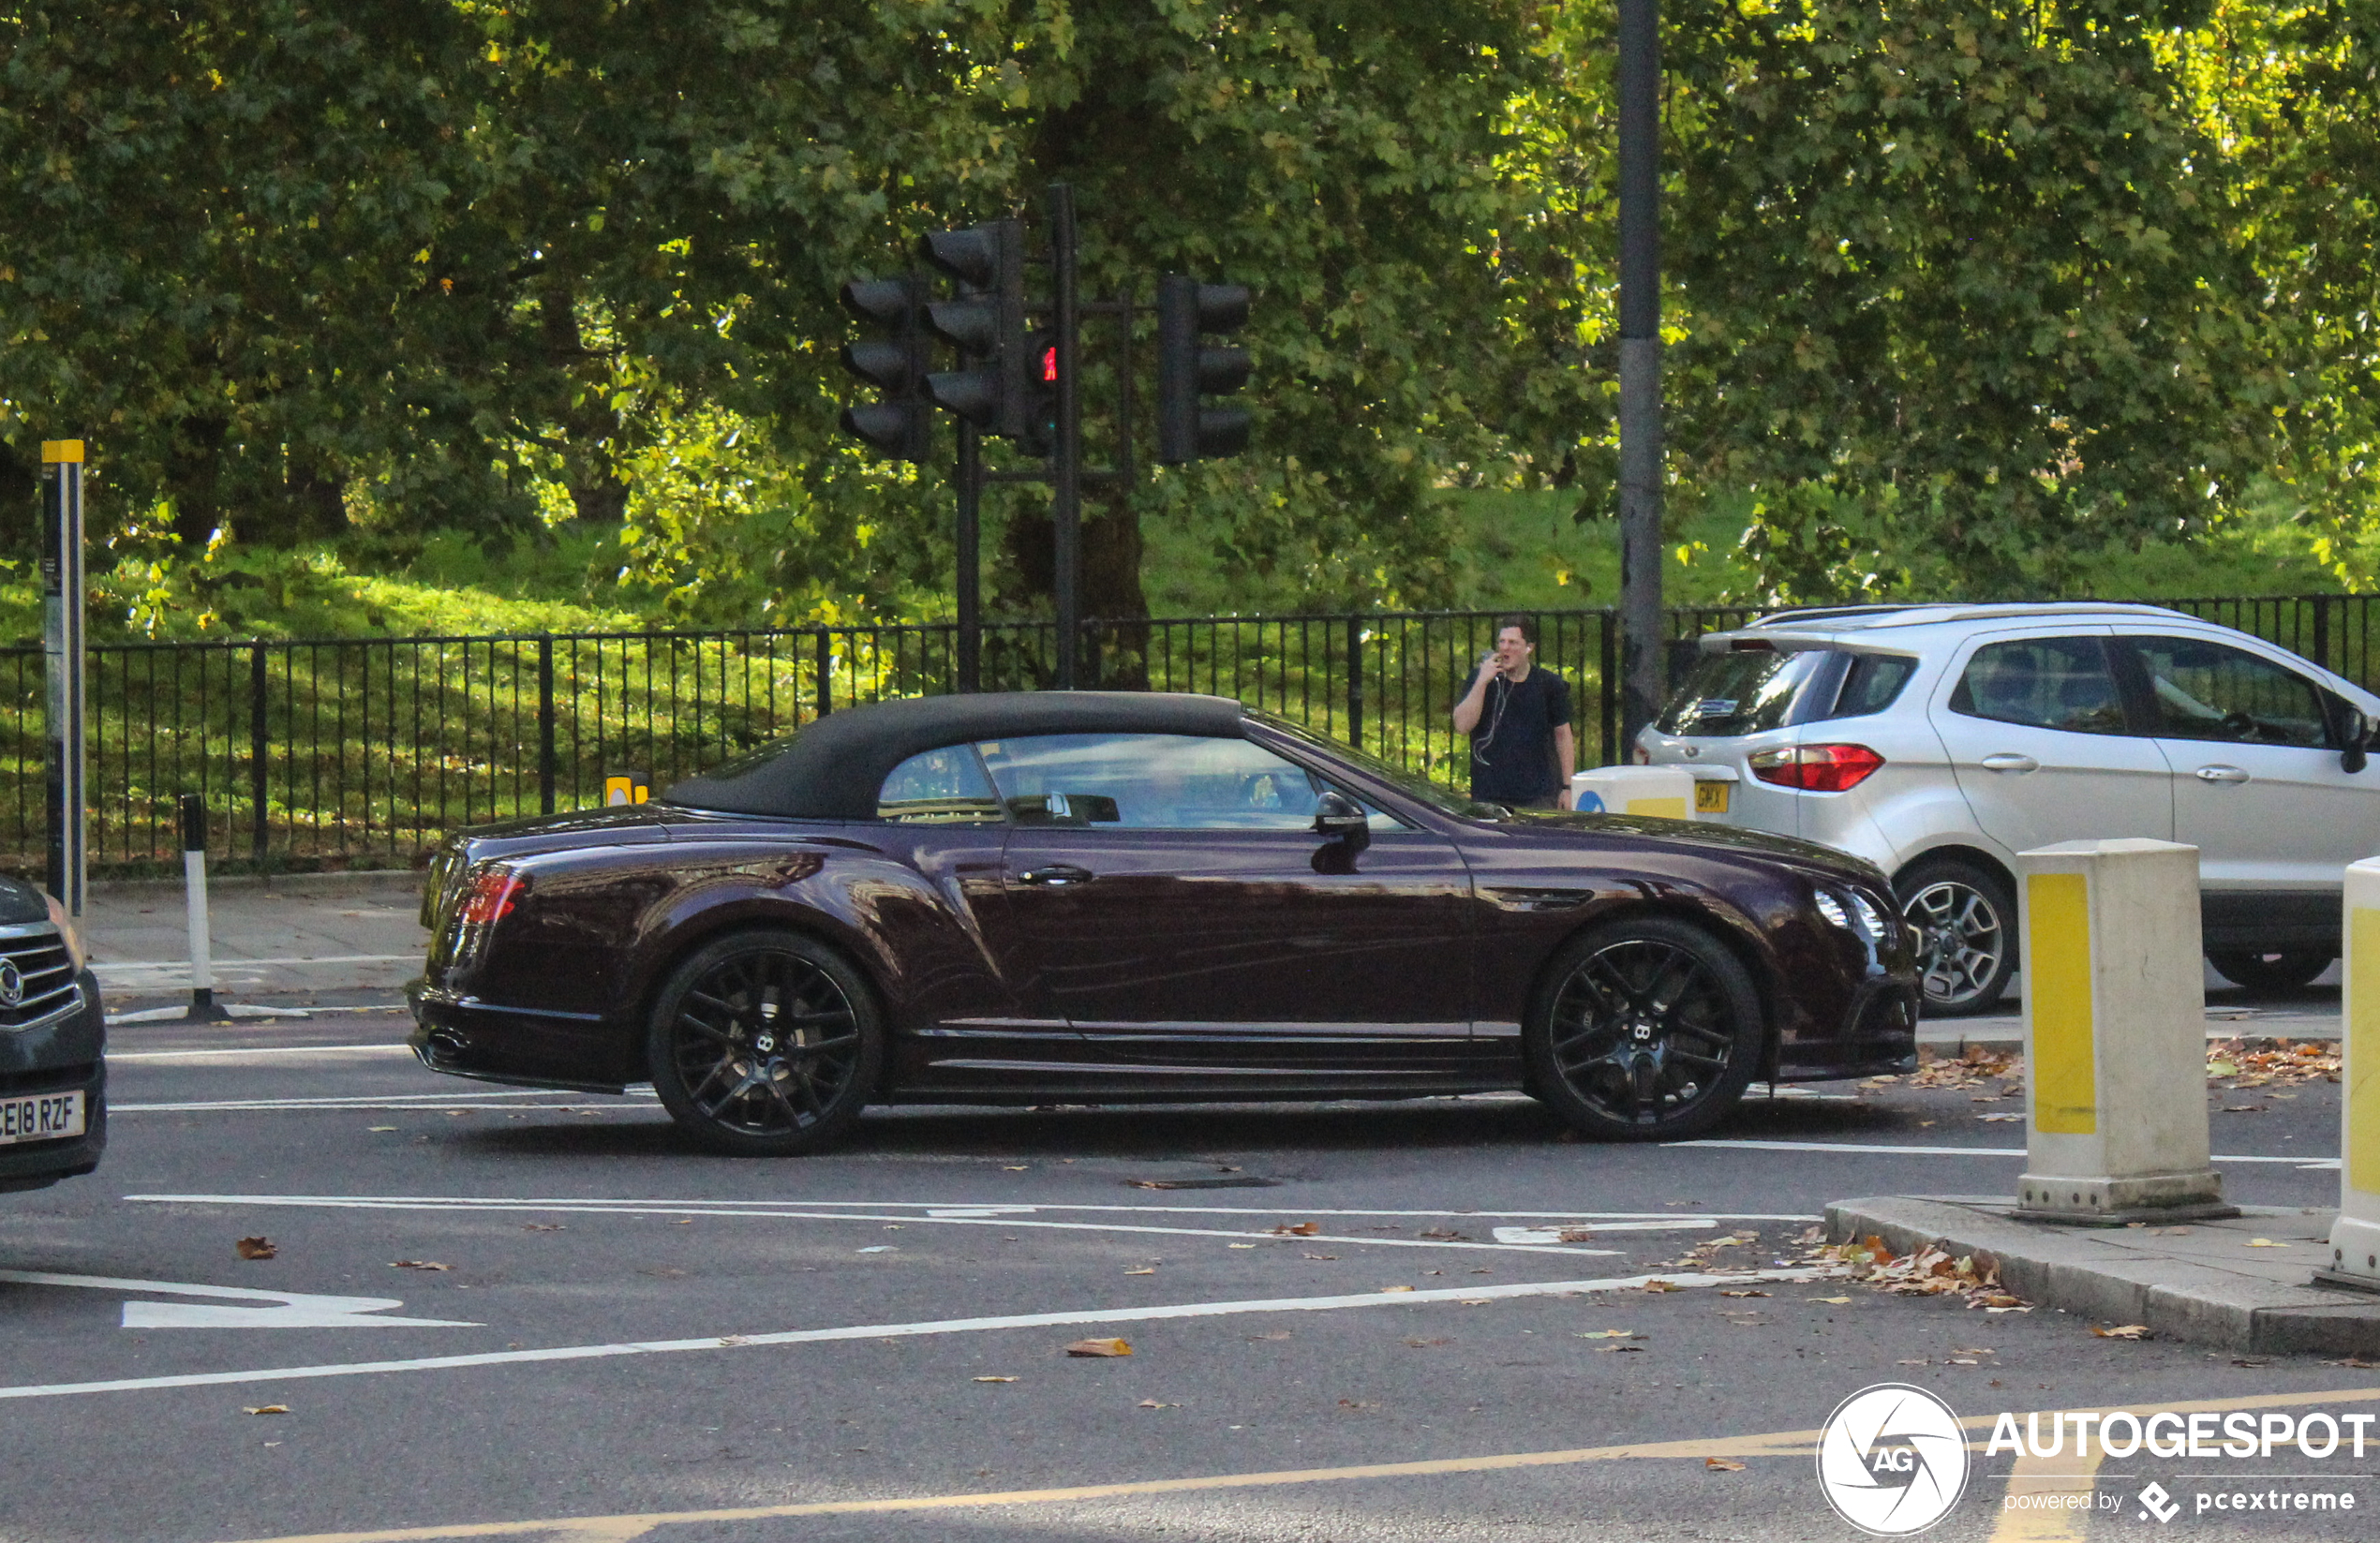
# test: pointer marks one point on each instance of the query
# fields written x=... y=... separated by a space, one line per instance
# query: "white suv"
x=1938 y=741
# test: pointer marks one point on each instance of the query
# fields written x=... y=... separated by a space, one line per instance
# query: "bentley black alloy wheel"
x=764 y=1045
x=1647 y=1031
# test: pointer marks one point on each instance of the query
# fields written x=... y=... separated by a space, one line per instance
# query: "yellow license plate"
x=1710 y=797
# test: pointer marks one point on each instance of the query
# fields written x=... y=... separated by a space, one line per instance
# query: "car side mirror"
x=1341 y=819
x=2353 y=758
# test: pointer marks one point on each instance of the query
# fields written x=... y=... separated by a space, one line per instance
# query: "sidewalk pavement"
x=2244 y=1283
x=337 y=939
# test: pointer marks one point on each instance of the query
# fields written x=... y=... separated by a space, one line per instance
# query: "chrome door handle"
x=2221 y=774
x=1056 y=874
x=2011 y=762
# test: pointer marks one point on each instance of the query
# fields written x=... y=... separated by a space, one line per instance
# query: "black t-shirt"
x=1512 y=754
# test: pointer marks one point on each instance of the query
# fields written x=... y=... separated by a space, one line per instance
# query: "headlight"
x=66 y=929
x=1869 y=917
x=1832 y=909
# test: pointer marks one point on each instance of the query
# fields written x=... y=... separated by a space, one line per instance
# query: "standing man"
x=1522 y=752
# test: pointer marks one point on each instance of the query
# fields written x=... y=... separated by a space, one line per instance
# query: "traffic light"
x=901 y=424
x=1186 y=370
x=987 y=325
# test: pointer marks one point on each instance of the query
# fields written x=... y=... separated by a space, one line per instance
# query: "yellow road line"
x=624 y=1527
x=2031 y=1511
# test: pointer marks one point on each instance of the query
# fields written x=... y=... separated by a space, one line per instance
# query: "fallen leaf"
x=1152 y=1403
x=1239 y=1245
x=1837 y=1300
x=1972 y=1350
x=1962 y=1360
x=878 y=1248
x=2008 y=1309
x=1912 y=1363
x=1616 y=1349
x=733 y=1339
x=379 y=1127
x=1424 y=1344
x=1475 y=1301
x=1271 y=1334
x=2355 y=1363
x=1607 y=1334
x=1396 y=1288
x=683 y=1222
x=1724 y=1465
x=417 y=1264
x=1016 y=1167
x=1318 y=1257
x=1662 y=1285
x=1139 y=1272
x=1099 y=1347
x=1303 y=1229
x=2001 y=1119
x=1743 y=1293
x=1356 y=1403
x=995 y=1379
x=267 y=1409
x=542 y=1226
x=2248 y=1361
x=2265 y=1243
x=257 y=1248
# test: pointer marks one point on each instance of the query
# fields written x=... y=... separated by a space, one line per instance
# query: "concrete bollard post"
x=2354 y=1237
x=2115 y=1035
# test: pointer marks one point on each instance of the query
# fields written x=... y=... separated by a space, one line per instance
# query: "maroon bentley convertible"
x=1117 y=898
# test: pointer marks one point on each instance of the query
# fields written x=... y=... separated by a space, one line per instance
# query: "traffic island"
x=2243 y=1283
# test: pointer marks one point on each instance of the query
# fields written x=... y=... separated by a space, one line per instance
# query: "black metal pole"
x=63 y=613
x=1065 y=508
x=1640 y=170
x=970 y=612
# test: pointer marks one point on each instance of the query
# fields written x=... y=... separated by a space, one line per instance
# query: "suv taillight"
x=1816 y=768
x=494 y=893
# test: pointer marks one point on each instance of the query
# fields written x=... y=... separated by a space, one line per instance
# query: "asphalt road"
x=689 y=1348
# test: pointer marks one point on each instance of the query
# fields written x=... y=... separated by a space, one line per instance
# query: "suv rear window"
x=1746 y=693
x=1742 y=693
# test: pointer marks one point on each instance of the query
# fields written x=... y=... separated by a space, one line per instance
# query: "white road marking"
x=221 y=962
x=788 y=1212
x=1554 y=1235
x=1955 y=1152
x=883 y=1332
x=115 y=1056
x=515 y=1202
x=294 y=1309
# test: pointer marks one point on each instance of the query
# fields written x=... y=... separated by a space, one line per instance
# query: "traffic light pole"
x=1065 y=507
x=62 y=617
x=1640 y=125
x=970 y=542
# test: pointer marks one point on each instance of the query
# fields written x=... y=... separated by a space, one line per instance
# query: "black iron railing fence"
x=365 y=751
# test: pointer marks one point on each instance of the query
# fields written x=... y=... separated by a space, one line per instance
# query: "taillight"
x=494 y=893
x=1816 y=768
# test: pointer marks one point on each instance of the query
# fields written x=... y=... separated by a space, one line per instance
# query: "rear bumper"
x=63 y=1054
x=464 y=1036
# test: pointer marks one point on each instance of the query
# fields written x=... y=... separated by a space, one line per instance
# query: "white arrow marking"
x=293 y=1309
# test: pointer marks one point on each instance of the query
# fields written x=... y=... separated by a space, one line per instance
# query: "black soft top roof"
x=832 y=769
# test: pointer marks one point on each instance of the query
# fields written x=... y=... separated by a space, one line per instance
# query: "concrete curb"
x=2079 y=1270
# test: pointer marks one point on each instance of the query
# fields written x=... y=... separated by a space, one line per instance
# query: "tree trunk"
x=194 y=475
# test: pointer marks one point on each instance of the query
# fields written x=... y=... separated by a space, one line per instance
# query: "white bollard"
x=2354 y=1236
x=194 y=892
x=2115 y=1035
x=1665 y=793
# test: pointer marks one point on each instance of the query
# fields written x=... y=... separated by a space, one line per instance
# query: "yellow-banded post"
x=2115 y=1034
x=2354 y=1237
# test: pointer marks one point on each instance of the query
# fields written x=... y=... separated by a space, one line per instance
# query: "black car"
x=1110 y=897
x=54 y=1117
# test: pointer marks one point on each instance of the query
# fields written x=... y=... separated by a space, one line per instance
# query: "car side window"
x=1149 y=781
x=2211 y=690
x=2048 y=683
x=944 y=787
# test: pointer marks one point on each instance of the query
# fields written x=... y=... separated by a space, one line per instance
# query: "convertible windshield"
x=1445 y=800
